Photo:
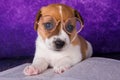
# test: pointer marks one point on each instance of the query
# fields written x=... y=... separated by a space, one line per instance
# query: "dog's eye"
x=48 y=26
x=69 y=28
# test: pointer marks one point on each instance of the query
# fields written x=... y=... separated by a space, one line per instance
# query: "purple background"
x=17 y=36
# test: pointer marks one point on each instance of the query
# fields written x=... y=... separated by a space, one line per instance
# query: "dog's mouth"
x=55 y=49
x=59 y=49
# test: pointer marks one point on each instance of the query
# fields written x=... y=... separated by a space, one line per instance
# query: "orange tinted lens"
x=70 y=25
x=78 y=25
x=49 y=23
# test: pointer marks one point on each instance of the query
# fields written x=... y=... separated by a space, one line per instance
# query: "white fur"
x=60 y=11
x=90 y=50
x=43 y=50
x=51 y=56
x=59 y=60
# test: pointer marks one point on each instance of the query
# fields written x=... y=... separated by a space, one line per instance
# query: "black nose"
x=59 y=44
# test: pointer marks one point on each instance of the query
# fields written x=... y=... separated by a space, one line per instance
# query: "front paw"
x=61 y=69
x=30 y=70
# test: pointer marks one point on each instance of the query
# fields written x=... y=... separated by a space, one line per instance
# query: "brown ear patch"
x=77 y=14
x=37 y=19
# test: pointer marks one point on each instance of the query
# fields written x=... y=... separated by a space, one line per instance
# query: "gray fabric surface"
x=90 y=69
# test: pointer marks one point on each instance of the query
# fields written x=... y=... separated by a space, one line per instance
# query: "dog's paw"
x=61 y=69
x=30 y=70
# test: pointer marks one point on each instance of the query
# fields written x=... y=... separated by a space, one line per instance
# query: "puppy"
x=58 y=44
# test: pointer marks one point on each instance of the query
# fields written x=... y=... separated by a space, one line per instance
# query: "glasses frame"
x=62 y=23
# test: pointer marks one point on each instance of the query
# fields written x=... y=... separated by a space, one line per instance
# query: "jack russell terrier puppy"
x=58 y=44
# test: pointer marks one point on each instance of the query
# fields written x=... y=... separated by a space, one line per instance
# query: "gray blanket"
x=90 y=69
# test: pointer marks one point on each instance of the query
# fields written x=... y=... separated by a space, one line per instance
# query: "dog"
x=58 y=44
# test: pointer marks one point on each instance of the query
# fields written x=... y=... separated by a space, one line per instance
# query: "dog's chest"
x=53 y=56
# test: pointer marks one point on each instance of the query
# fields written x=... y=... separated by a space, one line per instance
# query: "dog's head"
x=56 y=25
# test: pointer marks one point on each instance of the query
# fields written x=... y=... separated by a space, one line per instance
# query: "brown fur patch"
x=84 y=46
x=53 y=10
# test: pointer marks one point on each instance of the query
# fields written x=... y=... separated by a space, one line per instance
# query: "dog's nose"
x=59 y=44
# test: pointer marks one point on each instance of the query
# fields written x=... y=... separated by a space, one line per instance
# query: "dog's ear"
x=77 y=14
x=37 y=19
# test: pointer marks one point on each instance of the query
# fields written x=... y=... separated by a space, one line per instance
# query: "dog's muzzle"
x=59 y=44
